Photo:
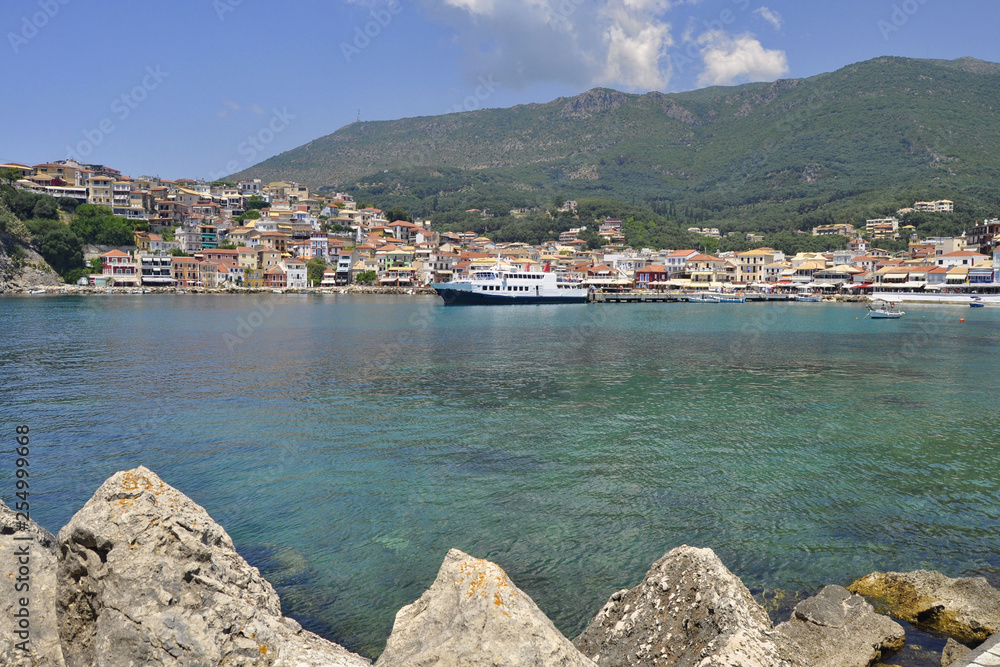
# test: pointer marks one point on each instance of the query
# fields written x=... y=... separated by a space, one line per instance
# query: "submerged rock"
x=43 y=630
x=146 y=577
x=953 y=651
x=838 y=629
x=966 y=609
x=688 y=611
x=474 y=615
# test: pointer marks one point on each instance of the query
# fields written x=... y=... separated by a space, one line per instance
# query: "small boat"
x=976 y=303
x=732 y=298
x=36 y=291
x=884 y=310
x=703 y=298
x=277 y=291
x=815 y=297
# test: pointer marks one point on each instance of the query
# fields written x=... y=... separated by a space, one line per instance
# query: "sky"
x=205 y=88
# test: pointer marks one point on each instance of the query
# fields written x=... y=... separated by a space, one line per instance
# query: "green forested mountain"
x=769 y=157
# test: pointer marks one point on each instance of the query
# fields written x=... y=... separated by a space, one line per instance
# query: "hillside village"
x=281 y=235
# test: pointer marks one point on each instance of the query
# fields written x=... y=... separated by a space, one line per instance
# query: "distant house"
x=120 y=267
x=275 y=278
x=652 y=277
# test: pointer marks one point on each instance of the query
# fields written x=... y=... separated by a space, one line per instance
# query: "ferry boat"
x=501 y=286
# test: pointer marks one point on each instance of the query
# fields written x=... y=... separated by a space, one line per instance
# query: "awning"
x=894 y=276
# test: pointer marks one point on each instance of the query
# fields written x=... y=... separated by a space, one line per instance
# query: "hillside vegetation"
x=773 y=158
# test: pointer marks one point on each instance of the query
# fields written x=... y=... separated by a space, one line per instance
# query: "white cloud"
x=473 y=6
x=770 y=15
x=620 y=43
x=738 y=59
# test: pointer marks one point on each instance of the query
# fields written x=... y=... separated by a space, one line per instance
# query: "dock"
x=672 y=297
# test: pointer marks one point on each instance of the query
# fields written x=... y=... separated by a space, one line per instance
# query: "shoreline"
x=89 y=290
x=960 y=301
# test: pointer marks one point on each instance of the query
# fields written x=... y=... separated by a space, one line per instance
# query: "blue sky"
x=179 y=89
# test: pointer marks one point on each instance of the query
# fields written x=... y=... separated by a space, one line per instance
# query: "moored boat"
x=976 y=303
x=884 y=310
x=499 y=285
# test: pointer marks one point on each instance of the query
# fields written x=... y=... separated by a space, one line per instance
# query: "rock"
x=474 y=615
x=953 y=651
x=43 y=644
x=837 y=629
x=688 y=611
x=146 y=577
x=965 y=609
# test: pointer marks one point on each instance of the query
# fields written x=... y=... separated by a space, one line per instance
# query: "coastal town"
x=283 y=236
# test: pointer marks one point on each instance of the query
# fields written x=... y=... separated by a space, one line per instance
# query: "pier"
x=673 y=297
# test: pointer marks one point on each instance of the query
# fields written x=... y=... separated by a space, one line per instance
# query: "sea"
x=347 y=442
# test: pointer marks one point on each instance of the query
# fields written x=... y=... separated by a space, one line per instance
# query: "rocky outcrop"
x=146 y=577
x=688 y=611
x=953 y=651
x=21 y=269
x=38 y=589
x=838 y=629
x=595 y=101
x=965 y=609
x=474 y=615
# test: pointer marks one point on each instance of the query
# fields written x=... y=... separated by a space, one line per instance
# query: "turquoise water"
x=346 y=442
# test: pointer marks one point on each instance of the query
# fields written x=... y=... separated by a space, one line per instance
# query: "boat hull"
x=458 y=297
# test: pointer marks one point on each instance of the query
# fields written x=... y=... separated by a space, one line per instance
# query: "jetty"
x=675 y=297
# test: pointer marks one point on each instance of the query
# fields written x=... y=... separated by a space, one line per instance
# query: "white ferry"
x=501 y=286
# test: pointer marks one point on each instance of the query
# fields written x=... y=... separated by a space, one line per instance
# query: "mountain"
x=863 y=140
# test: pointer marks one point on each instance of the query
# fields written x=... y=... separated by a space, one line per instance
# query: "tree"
x=68 y=204
x=178 y=253
x=397 y=213
x=45 y=207
x=96 y=265
x=97 y=224
x=61 y=248
x=315 y=268
x=366 y=277
x=256 y=202
x=10 y=175
x=73 y=275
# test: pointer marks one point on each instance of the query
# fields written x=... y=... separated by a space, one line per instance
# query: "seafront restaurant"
x=960 y=280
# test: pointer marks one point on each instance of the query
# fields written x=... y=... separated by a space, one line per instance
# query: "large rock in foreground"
x=953 y=651
x=966 y=609
x=689 y=611
x=837 y=629
x=474 y=615
x=43 y=631
x=146 y=577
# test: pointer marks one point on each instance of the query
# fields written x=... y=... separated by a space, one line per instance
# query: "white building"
x=295 y=273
